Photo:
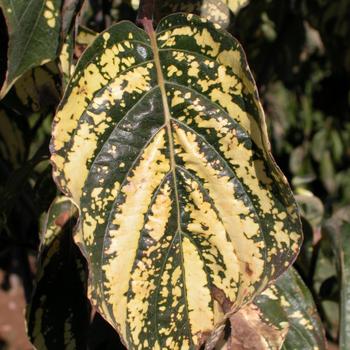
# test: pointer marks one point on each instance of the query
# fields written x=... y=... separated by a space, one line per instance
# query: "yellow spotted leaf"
x=217 y=11
x=161 y=141
x=84 y=38
x=289 y=300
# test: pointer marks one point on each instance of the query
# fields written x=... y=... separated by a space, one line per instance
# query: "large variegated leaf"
x=59 y=313
x=161 y=141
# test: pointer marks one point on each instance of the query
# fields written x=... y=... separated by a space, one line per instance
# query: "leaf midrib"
x=167 y=121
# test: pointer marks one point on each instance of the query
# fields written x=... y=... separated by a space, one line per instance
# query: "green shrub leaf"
x=161 y=141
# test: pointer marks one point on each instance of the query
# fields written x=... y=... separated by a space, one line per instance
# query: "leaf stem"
x=145 y=13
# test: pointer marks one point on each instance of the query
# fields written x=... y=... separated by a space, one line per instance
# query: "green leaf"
x=289 y=296
x=34 y=28
x=337 y=230
x=59 y=313
x=344 y=256
x=161 y=141
x=327 y=172
x=311 y=207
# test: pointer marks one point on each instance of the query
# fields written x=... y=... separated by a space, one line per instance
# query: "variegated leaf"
x=72 y=49
x=84 y=38
x=59 y=313
x=217 y=11
x=66 y=63
x=284 y=316
x=161 y=140
x=34 y=28
x=235 y=5
x=289 y=293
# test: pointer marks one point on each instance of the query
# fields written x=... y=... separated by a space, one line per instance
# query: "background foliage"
x=299 y=53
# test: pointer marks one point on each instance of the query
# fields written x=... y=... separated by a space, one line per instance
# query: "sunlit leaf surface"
x=161 y=141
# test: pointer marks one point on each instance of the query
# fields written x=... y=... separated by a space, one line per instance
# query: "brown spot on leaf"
x=220 y=297
x=249 y=331
x=78 y=50
x=202 y=338
x=62 y=219
x=248 y=270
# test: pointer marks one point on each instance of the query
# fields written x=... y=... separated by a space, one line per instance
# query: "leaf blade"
x=160 y=201
x=30 y=22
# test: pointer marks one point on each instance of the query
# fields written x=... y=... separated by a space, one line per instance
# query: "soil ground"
x=12 y=307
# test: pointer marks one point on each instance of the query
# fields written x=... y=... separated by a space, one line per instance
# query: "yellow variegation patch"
x=161 y=141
